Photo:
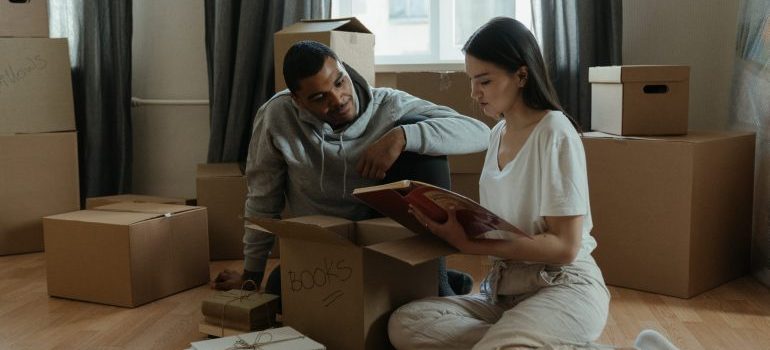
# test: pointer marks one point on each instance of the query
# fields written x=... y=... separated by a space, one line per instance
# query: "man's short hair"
x=304 y=59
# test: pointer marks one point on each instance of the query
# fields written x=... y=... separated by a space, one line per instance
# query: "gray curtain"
x=239 y=53
x=99 y=35
x=750 y=111
x=575 y=35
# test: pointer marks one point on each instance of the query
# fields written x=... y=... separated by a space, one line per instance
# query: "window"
x=426 y=31
x=402 y=11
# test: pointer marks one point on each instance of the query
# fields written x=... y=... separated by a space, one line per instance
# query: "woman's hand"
x=450 y=231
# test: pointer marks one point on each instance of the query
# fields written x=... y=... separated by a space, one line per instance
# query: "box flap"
x=219 y=170
x=638 y=73
x=152 y=208
x=292 y=229
x=414 y=250
x=139 y=198
x=349 y=24
x=104 y=217
x=378 y=230
x=693 y=136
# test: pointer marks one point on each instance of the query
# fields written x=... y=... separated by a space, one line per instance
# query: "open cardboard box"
x=340 y=292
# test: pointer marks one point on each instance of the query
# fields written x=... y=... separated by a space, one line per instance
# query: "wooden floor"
x=733 y=316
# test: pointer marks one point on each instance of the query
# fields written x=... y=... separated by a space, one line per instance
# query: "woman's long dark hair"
x=508 y=44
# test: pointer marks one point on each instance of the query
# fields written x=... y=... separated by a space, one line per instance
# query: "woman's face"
x=496 y=90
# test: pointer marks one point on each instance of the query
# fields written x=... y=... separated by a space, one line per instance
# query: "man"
x=328 y=134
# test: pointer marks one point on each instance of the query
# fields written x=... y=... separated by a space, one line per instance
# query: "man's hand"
x=229 y=279
x=381 y=155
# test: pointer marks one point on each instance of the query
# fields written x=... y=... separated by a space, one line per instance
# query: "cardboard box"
x=38 y=177
x=471 y=163
x=451 y=89
x=672 y=215
x=380 y=230
x=28 y=18
x=35 y=86
x=93 y=202
x=222 y=189
x=341 y=293
x=239 y=309
x=126 y=254
x=640 y=100
x=466 y=185
x=351 y=40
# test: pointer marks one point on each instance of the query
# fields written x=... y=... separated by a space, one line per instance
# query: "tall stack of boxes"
x=672 y=210
x=38 y=143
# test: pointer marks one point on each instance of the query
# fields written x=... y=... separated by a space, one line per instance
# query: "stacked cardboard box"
x=38 y=143
x=671 y=214
x=640 y=100
x=349 y=39
x=449 y=89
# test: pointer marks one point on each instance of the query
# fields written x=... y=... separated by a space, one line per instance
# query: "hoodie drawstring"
x=323 y=160
x=345 y=167
x=344 y=164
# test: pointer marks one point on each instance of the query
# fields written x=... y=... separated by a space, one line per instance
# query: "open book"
x=393 y=200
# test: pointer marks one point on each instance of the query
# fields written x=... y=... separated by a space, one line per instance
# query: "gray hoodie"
x=301 y=162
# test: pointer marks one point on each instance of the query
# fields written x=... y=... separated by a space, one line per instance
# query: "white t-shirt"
x=546 y=178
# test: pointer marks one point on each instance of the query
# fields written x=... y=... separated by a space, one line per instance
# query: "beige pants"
x=521 y=306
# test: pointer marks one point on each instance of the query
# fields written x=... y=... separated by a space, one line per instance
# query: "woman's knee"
x=402 y=322
x=410 y=317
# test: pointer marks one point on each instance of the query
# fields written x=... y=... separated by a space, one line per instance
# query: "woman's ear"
x=522 y=73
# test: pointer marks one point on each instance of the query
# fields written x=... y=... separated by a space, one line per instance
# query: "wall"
x=699 y=33
x=169 y=62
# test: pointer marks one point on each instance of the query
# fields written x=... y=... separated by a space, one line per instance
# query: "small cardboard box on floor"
x=640 y=100
x=672 y=215
x=27 y=18
x=35 y=86
x=38 y=177
x=342 y=293
x=347 y=37
x=126 y=254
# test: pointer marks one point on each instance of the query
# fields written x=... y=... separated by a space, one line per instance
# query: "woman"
x=542 y=291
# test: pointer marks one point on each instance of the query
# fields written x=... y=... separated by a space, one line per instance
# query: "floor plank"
x=734 y=316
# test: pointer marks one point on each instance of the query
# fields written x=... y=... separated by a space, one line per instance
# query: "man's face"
x=328 y=94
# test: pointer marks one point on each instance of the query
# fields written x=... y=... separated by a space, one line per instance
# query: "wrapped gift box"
x=239 y=309
x=284 y=338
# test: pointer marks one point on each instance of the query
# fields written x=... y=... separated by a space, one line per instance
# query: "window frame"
x=440 y=45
